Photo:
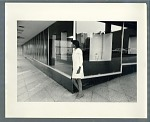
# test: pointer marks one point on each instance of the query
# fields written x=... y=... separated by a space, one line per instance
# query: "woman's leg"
x=75 y=83
x=80 y=88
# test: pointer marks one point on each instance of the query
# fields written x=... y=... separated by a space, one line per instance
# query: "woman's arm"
x=80 y=58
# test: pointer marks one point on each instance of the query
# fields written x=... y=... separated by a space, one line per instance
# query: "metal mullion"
x=122 y=43
x=48 y=46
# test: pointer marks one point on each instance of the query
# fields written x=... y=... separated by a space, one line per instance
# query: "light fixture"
x=21 y=26
x=70 y=37
x=19 y=37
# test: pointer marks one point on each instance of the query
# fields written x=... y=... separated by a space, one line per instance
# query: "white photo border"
x=74 y=11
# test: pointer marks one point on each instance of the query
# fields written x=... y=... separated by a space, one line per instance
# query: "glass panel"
x=44 y=61
x=38 y=49
x=42 y=46
x=60 y=50
x=132 y=46
x=34 y=49
x=46 y=44
x=129 y=51
x=101 y=47
x=87 y=32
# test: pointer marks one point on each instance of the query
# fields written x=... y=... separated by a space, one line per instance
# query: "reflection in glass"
x=60 y=50
x=101 y=46
x=129 y=52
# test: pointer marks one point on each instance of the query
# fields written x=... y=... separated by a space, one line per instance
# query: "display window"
x=106 y=46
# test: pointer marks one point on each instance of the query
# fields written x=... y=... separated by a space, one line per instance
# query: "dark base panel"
x=101 y=67
x=52 y=61
x=127 y=69
x=129 y=59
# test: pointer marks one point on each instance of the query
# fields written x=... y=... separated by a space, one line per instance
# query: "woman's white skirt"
x=75 y=75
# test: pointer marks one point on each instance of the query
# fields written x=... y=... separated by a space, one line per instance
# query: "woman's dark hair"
x=76 y=43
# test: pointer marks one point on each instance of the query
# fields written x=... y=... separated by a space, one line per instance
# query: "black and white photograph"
x=78 y=60
x=50 y=53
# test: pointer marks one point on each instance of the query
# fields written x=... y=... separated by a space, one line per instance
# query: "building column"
x=53 y=50
x=63 y=44
x=107 y=28
x=74 y=29
x=122 y=37
x=48 y=47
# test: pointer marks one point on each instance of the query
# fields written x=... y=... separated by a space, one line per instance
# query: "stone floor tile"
x=131 y=99
x=23 y=97
x=102 y=91
x=86 y=98
x=19 y=70
x=48 y=80
x=57 y=93
x=89 y=89
x=115 y=96
x=39 y=96
x=67 y=97
x=33 y=78
x=55 y=90
x=33 y=85
x=43 y=84
x=21 y=90
x=20 y=81
x=29 y=74
x=27 y=100
x=115 y=85
x=130 y=92
x=45 y=80
x=20 y=84
x=30 y=79
x=128 y=82
x=33 y=91
x=20 y=77
x=51 y=89
x=47 y=99
x=38 y=87
x=41 y=88
x=98 y=98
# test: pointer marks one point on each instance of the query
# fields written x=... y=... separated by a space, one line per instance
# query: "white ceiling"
x=29 y=29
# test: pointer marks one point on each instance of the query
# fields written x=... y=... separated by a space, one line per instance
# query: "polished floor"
x=34 y=86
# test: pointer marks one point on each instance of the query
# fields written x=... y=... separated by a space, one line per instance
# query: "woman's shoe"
x=80 y=95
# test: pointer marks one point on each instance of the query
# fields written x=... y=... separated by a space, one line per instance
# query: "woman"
x=77 y=73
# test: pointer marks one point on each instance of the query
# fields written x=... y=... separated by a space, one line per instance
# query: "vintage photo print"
x=76 y=60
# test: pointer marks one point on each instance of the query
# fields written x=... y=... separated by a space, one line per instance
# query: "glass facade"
x=52 y=46
x=37 y=47
x=103 y=46
x=60 y=44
